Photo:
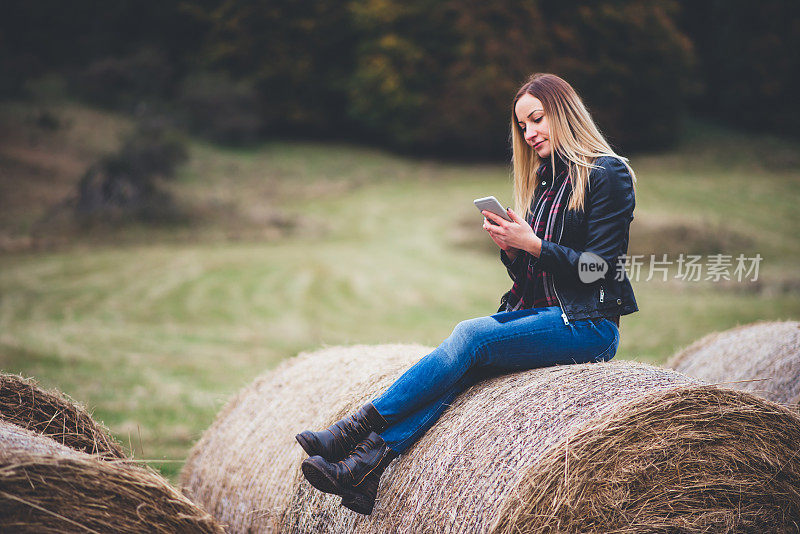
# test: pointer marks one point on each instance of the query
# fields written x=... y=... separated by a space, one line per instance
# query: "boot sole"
x=317 y=477
x=357 y=503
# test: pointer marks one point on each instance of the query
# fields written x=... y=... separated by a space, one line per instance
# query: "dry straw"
x=46 y=487
x=246 y=467
x=51 y=413
x=615 y=447
x=763 y=358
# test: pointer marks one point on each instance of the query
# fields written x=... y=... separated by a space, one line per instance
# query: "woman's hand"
x=509 y=236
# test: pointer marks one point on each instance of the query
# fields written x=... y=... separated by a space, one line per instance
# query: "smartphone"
x=491 y=204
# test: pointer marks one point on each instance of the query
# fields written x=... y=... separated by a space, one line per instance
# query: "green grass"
x=154 y=329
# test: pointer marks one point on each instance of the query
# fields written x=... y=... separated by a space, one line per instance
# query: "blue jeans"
x=481 y=348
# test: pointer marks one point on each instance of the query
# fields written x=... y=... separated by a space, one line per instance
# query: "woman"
x=565 y=255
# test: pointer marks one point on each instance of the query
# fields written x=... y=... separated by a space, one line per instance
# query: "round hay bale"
x=763 y=358
x=47 y=487
x=307 y=391
x=53 y=414
x=612 y=447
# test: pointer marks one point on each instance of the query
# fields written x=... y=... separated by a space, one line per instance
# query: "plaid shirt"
x=546 y=218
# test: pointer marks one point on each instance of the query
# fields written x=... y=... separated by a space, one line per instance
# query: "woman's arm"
x=610 y=208
x=514 y=260
x=514 y=239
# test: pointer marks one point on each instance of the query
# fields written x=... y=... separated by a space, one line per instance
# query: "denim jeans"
x=484 y=347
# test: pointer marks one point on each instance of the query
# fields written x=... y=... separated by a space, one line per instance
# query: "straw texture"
x=763 y=358
x=53 y=414
x=481 y=467
x=47 y=487
x=246 y=467
x=690 y=460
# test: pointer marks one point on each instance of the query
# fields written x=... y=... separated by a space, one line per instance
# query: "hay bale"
x=51 y=413
x=691 y=460
x=47 y=487
x=763 y=358
x=307 y=391
x=616 y=447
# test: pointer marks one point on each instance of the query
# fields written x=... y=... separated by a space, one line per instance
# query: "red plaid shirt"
x=536 y=289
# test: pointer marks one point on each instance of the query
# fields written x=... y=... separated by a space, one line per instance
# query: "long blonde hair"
x=573 y=136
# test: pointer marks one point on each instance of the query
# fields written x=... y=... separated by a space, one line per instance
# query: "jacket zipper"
x=602 y=294
x=560 y=235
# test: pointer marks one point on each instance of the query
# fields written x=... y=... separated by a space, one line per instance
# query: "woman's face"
x=533 y=122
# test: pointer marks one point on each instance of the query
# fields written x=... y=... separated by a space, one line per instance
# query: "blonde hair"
x=573 y=136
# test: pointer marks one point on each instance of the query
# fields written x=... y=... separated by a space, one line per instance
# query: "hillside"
x=294 y=245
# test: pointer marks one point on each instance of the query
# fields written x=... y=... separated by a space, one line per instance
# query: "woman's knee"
x=468 y=335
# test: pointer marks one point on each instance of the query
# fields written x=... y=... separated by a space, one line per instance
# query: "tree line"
x=419 y=76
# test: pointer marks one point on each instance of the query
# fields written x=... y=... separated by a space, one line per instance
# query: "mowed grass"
x=155 y=329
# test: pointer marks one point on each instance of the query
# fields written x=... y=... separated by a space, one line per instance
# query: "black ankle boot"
x=336 y=442
x=356 y=477
x=362 y=497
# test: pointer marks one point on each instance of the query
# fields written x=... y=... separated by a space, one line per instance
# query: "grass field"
x=293 y=246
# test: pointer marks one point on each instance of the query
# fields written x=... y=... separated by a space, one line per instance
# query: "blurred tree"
x=126 y=81
x=215 y=107
x=748 y=55
x=124 y=186
x=298 y=56
x=631 y=63
x=431 y=76
x=45 y=35
x=499 y=45
x=440 y=76
x=404 y=49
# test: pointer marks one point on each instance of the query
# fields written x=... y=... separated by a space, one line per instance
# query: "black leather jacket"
x=601 y=228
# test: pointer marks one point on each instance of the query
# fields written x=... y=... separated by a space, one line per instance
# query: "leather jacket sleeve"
x=609 y=210
x=516 y=268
